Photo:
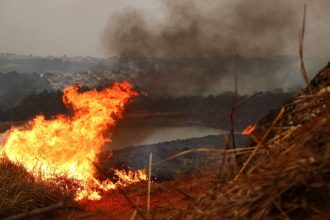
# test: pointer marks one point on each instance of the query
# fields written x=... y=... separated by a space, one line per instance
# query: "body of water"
x=131 y=136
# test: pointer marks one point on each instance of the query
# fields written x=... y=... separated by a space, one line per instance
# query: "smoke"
x=190 y=31
x=204 y=29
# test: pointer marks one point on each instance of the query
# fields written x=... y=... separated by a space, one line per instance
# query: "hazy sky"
x=74 y=27
x=58 y=27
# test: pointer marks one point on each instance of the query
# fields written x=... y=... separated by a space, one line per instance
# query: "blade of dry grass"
x=133 y=215
x=223 y=161
x=149 y=184
x=301 y=50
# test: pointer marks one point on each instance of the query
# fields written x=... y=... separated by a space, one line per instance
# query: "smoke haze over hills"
x=192 y=35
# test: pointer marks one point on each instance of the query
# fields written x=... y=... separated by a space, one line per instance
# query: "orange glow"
x=68 y=145
x=249 y=129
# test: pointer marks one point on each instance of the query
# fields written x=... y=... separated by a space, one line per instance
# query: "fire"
x=249 y=129
x=68 y=145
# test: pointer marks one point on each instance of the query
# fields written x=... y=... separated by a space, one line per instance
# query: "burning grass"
x=49 y=160
x=20 y=191
x=68 y=145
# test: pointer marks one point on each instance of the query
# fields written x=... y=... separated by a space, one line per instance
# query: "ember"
x=249 y=129
x=68 y=145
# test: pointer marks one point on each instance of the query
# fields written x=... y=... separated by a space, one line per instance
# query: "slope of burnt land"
x=137 y=157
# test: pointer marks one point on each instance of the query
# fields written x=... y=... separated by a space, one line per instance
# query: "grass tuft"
x=21 y=192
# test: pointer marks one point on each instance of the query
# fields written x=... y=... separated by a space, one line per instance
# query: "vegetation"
x=191 y=108
x=46 y=103
x=286 y=173
x=21 y=192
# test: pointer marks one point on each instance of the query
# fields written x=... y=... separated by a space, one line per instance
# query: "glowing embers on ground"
x=68 y=145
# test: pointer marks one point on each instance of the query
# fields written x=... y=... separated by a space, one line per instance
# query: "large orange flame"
x=68 y=145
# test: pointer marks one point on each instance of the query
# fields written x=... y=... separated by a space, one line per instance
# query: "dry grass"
x=20 y=192
x=290 y=184
x=288 y=174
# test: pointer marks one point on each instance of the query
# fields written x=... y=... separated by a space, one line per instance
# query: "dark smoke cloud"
x=205 y=29
x=193 y=38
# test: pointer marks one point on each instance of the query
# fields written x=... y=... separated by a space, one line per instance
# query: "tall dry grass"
x=21 y=192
